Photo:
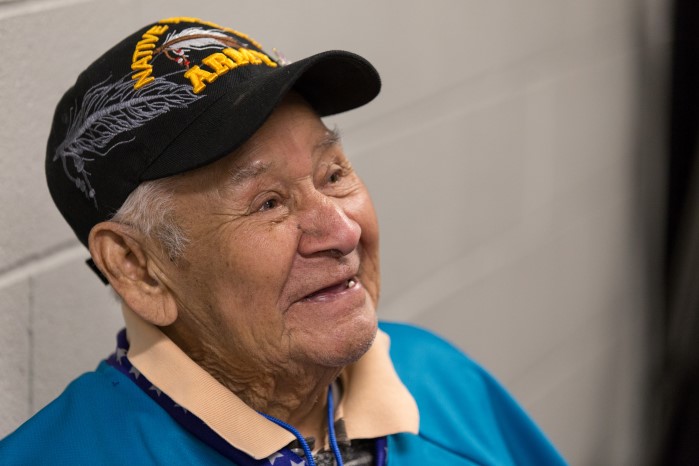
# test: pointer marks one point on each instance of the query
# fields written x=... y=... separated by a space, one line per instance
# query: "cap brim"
x=332 y=82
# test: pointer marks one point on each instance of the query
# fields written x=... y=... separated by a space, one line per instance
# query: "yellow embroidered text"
x=143 y=54
x=221 y=63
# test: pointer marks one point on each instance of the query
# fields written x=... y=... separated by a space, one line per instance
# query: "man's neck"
x=297 y=395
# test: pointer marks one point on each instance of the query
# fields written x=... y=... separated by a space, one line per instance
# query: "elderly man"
x=225 y=215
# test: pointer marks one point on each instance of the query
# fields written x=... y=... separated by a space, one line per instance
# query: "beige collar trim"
x=375 y=402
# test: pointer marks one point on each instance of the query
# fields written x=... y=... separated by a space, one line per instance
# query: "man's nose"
x=326 y=227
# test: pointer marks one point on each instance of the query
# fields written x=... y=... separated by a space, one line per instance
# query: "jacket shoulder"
x=415 y=344
x=464 y=410
x=102 y=417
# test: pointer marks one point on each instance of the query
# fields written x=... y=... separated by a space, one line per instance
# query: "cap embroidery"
x=107 y=111
x=185 y=19
x=232 y=52
x=177 y=44
x=221 y=63
x=143 y=54
x=281 y=59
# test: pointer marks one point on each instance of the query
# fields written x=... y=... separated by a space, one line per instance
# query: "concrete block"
x=598 y=21
x=15 y=356
x=595 y=108
x=33 y=82
x=587 y=393
x=568 y=393
x=513 y=316
x=76 y=319
x=422 y=49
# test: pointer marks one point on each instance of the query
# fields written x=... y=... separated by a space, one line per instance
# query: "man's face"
x=282 y=264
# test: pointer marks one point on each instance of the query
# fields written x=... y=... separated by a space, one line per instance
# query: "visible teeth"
x=351 y=283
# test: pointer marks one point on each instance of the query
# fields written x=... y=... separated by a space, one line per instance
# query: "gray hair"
x=150 y=210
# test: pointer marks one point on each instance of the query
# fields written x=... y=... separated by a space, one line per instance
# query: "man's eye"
x=269 y=204
x=335 y=176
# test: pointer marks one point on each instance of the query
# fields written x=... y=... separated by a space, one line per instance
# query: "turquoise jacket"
x=466 y=418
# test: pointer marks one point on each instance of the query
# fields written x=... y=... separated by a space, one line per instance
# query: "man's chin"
x=339 y=349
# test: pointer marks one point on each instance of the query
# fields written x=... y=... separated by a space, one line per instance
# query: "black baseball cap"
x=174 y=96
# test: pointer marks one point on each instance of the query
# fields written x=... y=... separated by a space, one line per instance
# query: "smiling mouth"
x=332 y=291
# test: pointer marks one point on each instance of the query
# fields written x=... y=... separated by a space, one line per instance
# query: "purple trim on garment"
x=381 y=452
x=197 y=427
x=189 y=421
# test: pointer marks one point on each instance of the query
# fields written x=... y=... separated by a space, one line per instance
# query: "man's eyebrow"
x=240 y=174
x=331 y=138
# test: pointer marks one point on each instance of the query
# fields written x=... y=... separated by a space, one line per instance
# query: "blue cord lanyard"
x=331 y=433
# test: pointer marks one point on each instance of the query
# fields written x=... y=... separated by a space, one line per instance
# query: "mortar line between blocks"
x=14 y=8
x=30 y=337
x=48 y=261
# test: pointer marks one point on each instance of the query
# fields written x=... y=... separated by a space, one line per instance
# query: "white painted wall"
x=514 y=157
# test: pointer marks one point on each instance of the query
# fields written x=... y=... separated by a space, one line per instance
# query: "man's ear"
x=132 y=270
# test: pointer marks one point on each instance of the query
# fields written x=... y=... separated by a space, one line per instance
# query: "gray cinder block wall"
x=514 y=157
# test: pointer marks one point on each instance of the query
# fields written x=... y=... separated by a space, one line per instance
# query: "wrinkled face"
x=282 y=266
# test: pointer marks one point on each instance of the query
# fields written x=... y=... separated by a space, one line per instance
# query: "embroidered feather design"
x=196 y=38
x=107 y=111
